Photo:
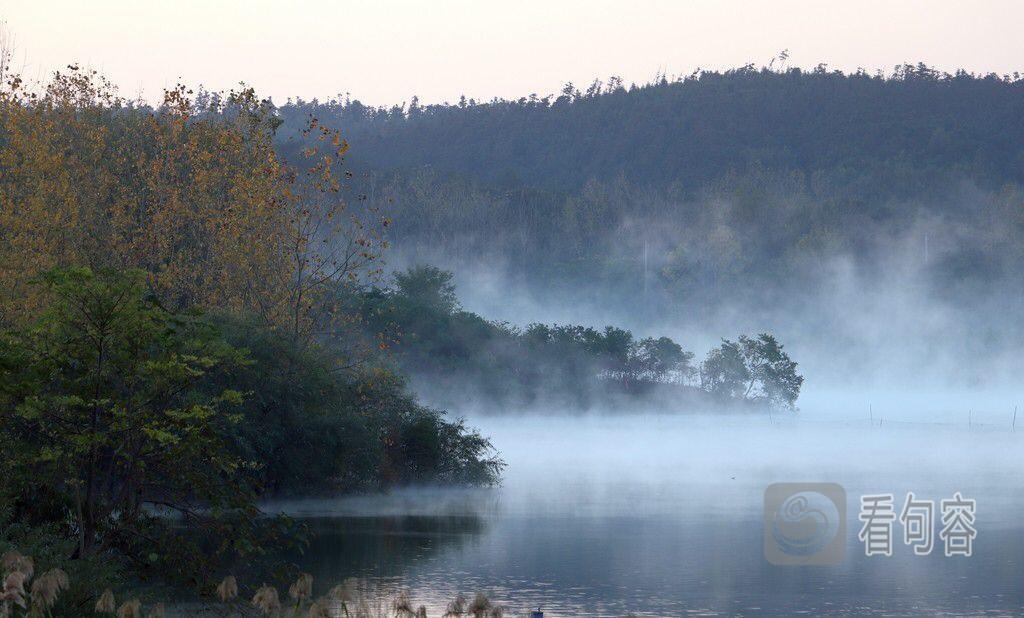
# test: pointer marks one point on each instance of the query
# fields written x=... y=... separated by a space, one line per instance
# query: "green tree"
x=427 y=287
x=773 y=376
x=724 y=372
x=315 y=424
x=660 y=358
x=103 y=420
x=752 y=368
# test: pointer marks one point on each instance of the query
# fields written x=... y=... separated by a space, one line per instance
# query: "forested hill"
x=893 y=133
x=751 y=193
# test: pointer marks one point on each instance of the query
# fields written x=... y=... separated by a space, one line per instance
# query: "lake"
x=664 y=516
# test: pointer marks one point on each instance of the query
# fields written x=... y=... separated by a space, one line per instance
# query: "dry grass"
x=345 y=600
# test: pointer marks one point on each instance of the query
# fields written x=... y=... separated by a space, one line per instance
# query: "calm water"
x=663 y=516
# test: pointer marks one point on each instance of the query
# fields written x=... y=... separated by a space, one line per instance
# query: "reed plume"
x=47 y=586
x=402 y=606
x=457 y=607
x=320 y=609
x=266 y=600
x=8 y=561
x=480 y=605
x=14 y=588
x=130 y=609
x=227 y=589
x=346 y=591
x=106 y=604
x=302 y=589
x=13 y=561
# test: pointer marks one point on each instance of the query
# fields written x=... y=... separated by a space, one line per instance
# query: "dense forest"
x=905 y=130
x=742 y=188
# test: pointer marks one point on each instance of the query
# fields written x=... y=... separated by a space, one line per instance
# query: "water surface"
x=663 y=516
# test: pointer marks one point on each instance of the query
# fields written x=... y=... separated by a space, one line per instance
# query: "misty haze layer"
x=870 y=222
x=661 y=515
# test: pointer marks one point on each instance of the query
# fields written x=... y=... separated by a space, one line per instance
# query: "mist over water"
x=661 y=515
x=869 y=338
x=901 y=307
x=657 y=508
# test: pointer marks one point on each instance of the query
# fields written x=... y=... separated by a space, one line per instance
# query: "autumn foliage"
x=191 y=192
x=173 y=335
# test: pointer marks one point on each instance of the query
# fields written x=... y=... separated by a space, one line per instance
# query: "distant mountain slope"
x=842 y=208
x=916 y=121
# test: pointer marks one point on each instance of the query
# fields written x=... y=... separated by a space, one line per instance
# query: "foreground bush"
x=316 y=421
x=104 y=420
x=145 y=436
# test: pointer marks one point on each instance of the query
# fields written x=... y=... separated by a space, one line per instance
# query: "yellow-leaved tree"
x=191 y=191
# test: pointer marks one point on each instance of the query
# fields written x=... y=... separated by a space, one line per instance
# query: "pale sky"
x=384 y=51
